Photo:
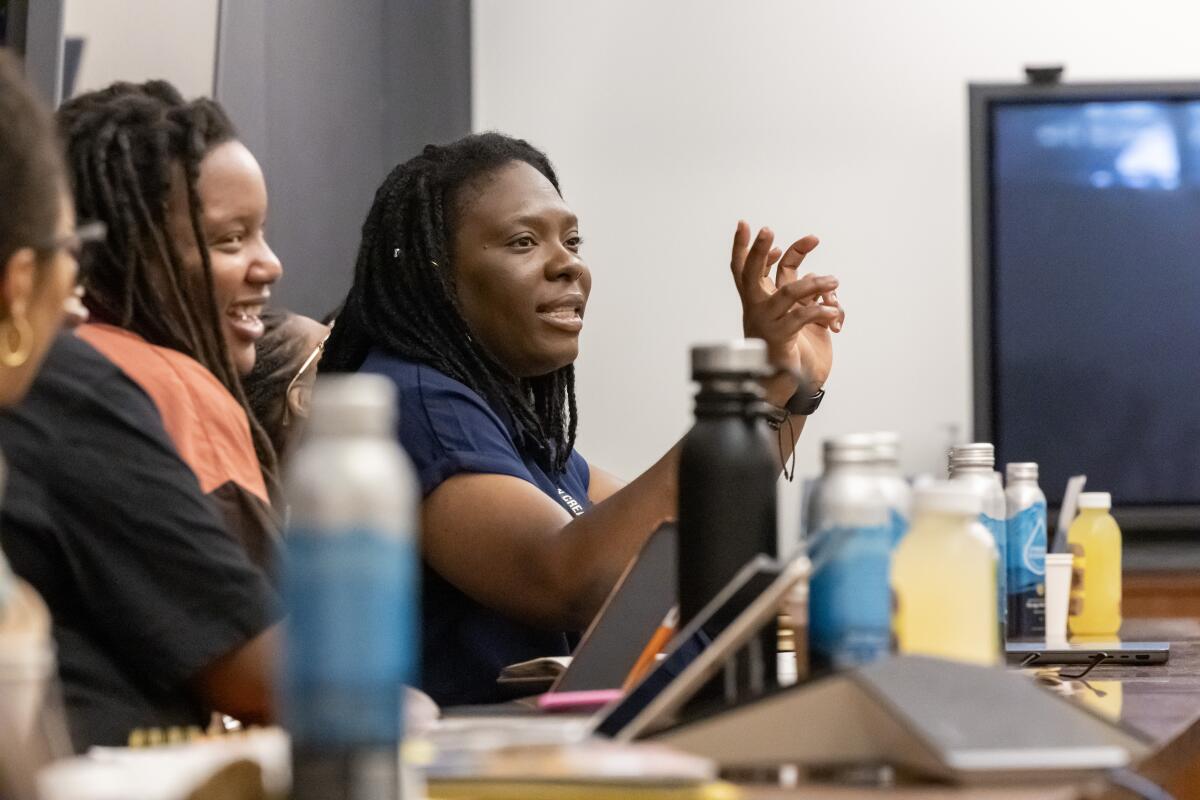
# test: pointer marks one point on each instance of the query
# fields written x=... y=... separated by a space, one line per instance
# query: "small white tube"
x=1058 y=596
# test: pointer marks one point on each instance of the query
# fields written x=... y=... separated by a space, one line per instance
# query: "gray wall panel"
x=43 y=44
x=330 y=96
x=241 y=68
x=429 y=74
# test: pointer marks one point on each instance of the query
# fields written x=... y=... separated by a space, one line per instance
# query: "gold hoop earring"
x=15 y=355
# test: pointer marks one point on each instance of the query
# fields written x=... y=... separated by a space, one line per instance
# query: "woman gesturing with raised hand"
x=794 y=315
x=470 y=293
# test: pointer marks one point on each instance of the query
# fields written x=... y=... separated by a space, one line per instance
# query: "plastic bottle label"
x=1027 y=553
x=352 y=642
x=849 y=596
x=999 y=531
x=1027 y=571
x=1078 y=562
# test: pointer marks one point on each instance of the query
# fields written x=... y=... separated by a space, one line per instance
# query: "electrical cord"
x=1142 y=787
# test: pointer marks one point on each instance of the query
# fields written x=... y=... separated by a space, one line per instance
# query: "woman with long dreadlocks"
x=176 y=293
x=469 y=293
x=136 y=424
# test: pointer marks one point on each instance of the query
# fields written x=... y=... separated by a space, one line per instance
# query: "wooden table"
x=1161 y=701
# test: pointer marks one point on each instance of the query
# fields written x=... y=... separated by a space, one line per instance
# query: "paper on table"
x=168 y=771
x=591 y=761
x=1066 y=514
x=517 y=790
x=545 y=667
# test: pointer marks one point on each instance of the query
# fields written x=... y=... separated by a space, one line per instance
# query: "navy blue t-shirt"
x=447 y=429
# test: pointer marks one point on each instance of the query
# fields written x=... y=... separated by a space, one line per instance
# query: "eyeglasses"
x=77 y=240
x=313 y=358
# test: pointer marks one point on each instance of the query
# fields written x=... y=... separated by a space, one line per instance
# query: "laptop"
x=635 y=608
x=751 y=598
x=642 y=597
x=1036 y=654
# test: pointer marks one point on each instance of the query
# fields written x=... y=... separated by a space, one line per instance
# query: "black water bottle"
x=727 y=474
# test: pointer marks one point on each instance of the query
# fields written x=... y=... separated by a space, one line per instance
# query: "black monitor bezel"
x=981 y=98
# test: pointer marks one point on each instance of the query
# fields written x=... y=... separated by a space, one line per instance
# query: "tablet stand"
x=935 y=718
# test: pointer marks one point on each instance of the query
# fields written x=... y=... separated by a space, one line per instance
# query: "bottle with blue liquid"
x=975 y=465
x=1026 y=553
x=896 y=491
x=352 y=594
x=850 y=537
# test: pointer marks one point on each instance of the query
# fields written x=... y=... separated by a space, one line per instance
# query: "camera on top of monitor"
x=1044 y=74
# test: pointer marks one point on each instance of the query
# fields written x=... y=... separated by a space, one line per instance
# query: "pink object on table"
x=578 y=701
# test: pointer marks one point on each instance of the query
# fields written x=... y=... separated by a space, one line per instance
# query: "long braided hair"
x=403 y=300
x=122 y=144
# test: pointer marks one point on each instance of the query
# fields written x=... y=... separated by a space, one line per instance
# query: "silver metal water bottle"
x=850 y=538
x=896 y=490
x=975 y=464
x=352 y=594
x=1026 y=528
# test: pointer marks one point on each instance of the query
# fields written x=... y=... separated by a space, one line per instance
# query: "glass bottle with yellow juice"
x=1095 y=541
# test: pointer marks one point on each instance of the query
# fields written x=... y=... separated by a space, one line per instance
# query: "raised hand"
x=794 y=315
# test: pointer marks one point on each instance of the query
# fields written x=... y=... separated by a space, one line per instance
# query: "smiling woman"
x=232 y=210
x=176 y=292
x=470 y=293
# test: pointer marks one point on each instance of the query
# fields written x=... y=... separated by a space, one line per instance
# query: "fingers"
x=757 y=266
x=793 y=258
x=791 y=322
x=810 y=288
x=832 y=301
x=737 y=261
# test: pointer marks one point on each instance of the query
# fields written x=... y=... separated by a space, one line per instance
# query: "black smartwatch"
x=802 y=405
x=798 y=405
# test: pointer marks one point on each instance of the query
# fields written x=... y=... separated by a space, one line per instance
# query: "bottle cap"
x=360 y=404
x=947 y=497
x=1022 y=471
x=851 y=448
x=735 y=358
x=979 y=454
x=1102 y=500
x=887 y=447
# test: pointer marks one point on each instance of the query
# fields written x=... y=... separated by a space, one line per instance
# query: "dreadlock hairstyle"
x=122 y=145
x=403 y=299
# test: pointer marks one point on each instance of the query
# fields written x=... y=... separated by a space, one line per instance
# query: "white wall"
x=668 y=121
x=136 y=40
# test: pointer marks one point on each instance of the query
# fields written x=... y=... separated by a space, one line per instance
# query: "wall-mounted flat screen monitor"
x=1086 y=249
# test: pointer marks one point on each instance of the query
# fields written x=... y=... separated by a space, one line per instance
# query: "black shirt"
x=105 y=520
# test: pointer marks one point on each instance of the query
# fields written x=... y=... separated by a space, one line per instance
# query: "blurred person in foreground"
x=38 y=249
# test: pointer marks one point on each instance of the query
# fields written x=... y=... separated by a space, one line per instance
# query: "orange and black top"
x=207 y=426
